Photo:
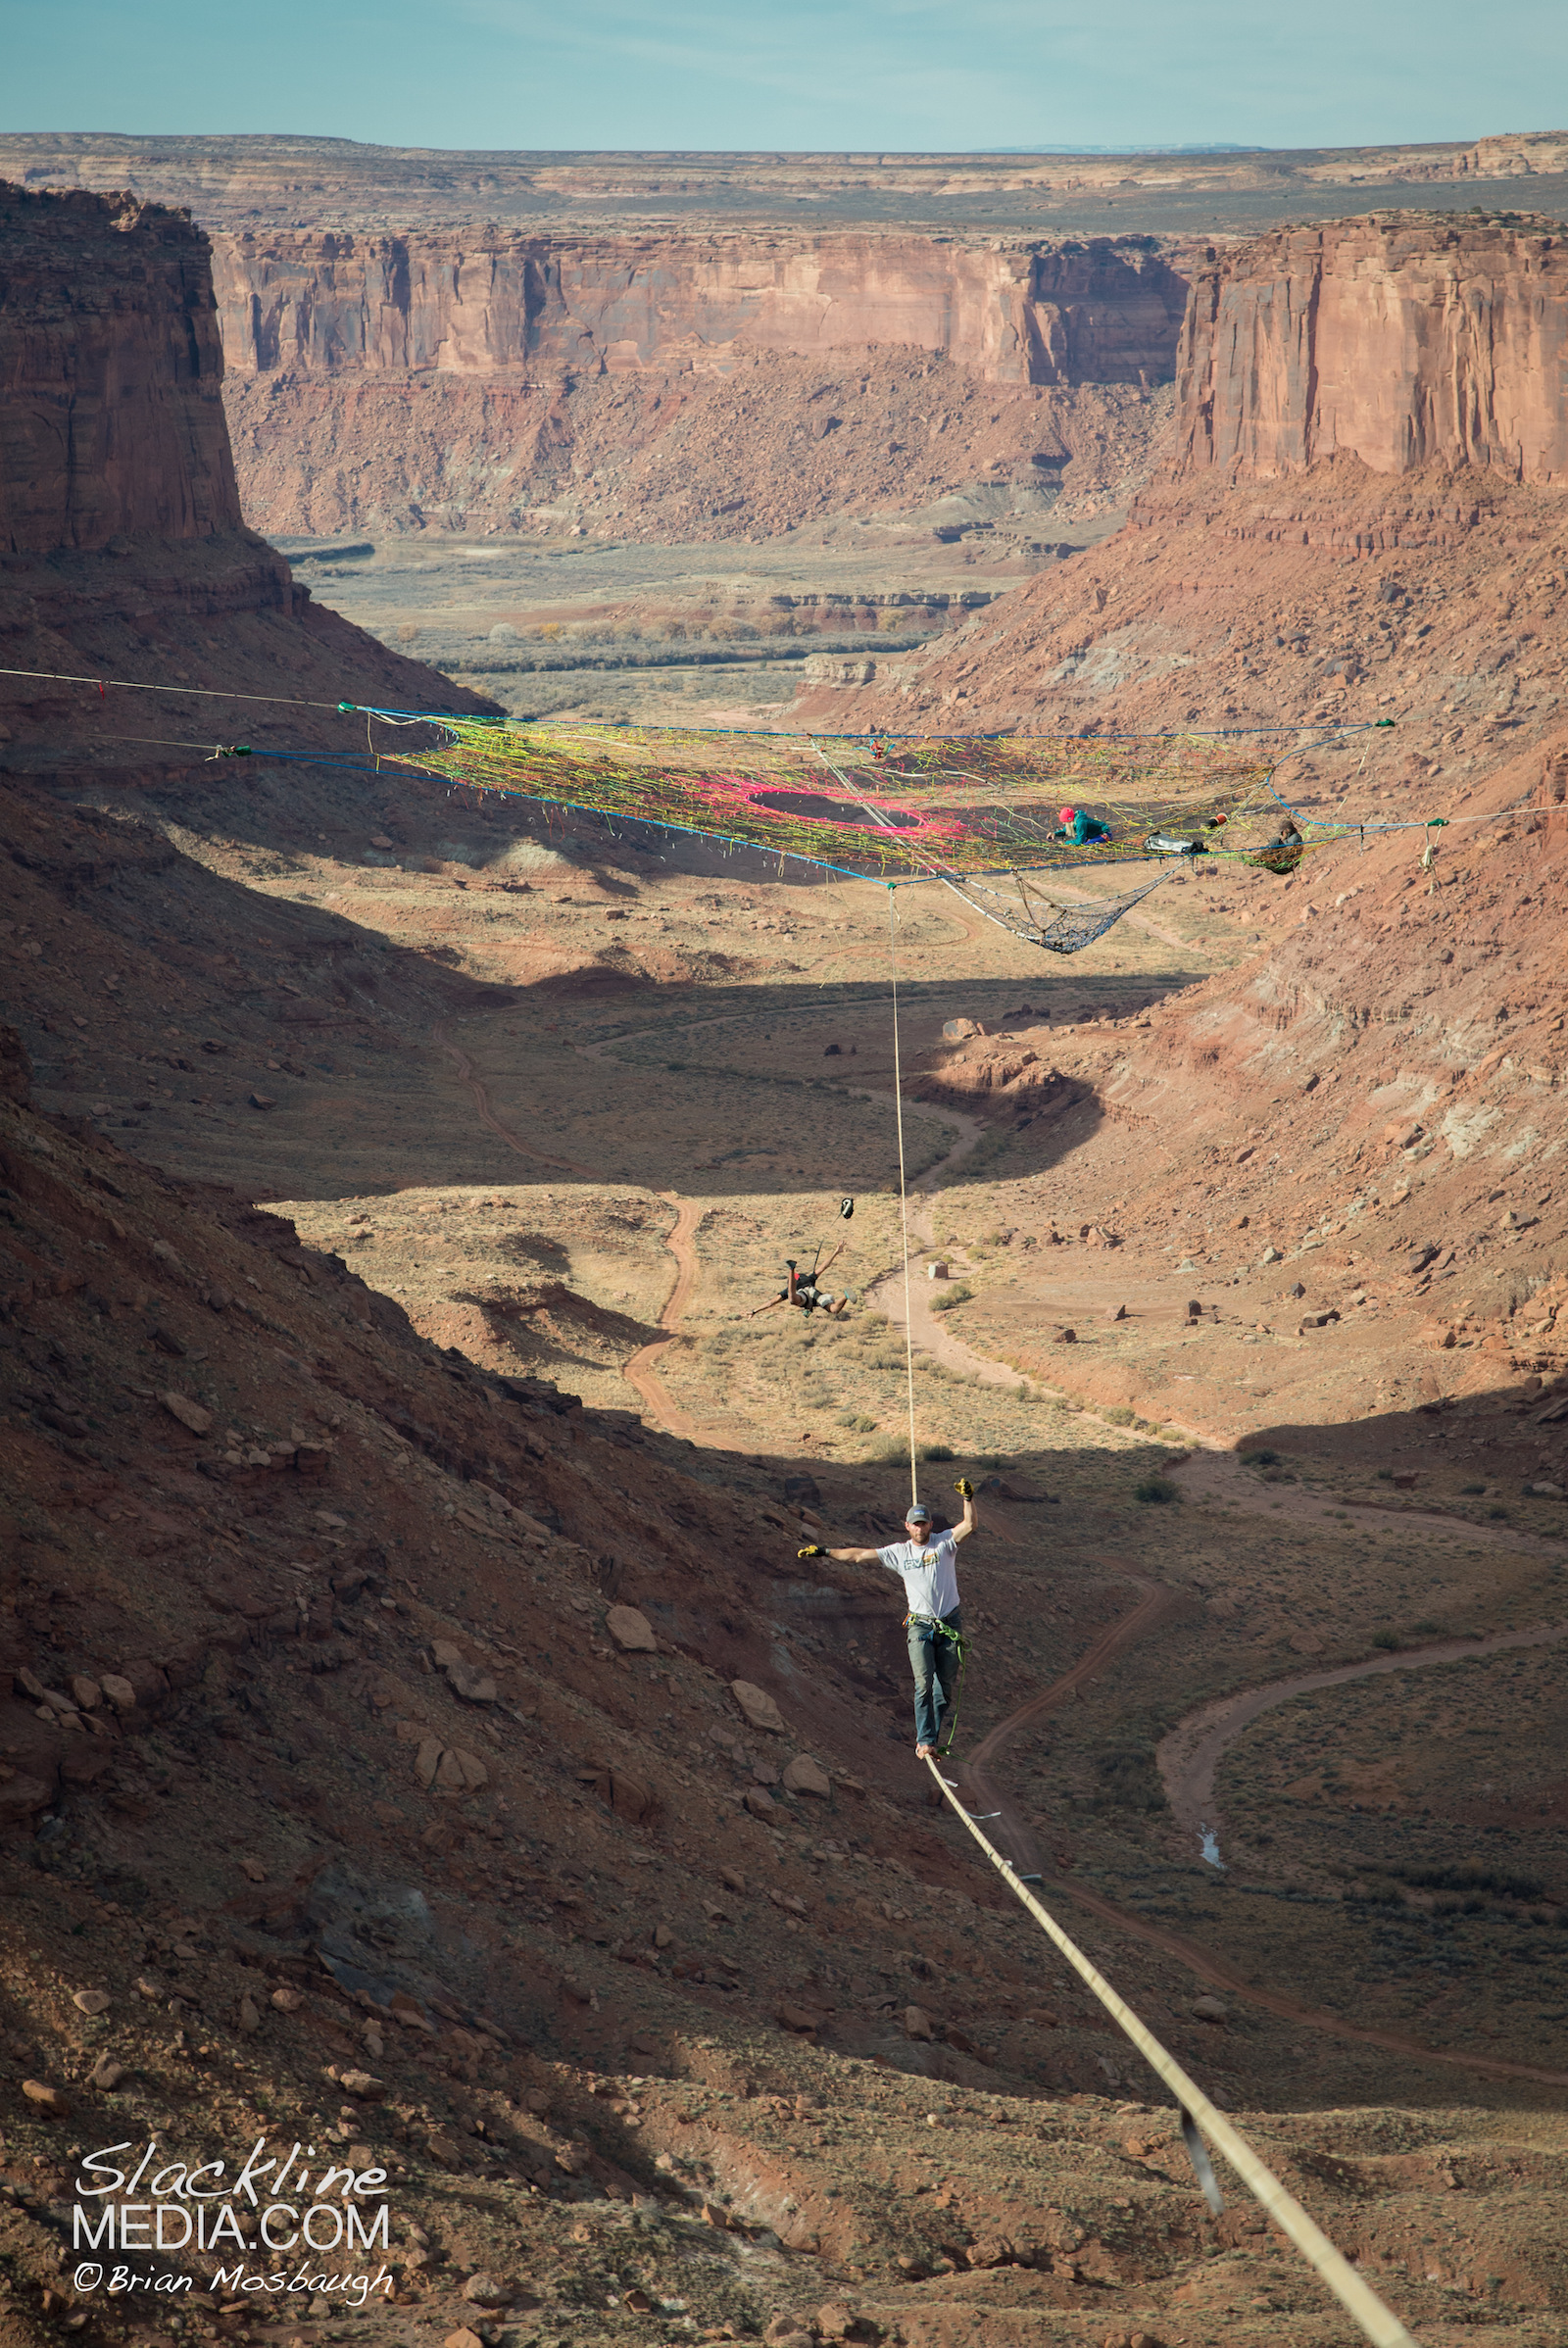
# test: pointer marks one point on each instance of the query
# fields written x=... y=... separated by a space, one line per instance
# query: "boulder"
x=53 y=2102
x=631 y=1631
x=473 y=1687
x=1211 y=2009
x=805 y=1776
x=189 y=1414
x=917 y=2024
x=759 y=1707
x=487 y=2291
x=761 y=1805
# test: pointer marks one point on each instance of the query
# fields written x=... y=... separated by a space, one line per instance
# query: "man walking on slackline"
x=928 y=1569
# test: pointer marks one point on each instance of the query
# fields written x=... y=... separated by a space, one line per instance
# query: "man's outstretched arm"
x=966 y=1524
x=842 y=1556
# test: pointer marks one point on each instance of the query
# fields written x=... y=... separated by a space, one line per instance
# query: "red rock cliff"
x=111 y=416
x=1401 y=341
x=483 y=302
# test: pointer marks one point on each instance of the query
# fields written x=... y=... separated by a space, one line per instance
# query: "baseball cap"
x=920 y=1514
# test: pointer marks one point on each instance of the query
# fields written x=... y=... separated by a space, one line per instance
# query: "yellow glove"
x=815 y=1549
x=965 y=1487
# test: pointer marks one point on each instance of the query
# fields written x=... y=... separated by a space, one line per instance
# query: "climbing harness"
x=954 y=1639
x=1378 y=2322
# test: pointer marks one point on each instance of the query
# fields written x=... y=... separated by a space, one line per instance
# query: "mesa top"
x=929 y=1572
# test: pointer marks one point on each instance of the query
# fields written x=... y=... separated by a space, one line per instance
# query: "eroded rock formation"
x=119 y=518
x=1401 y=341
x=113 y=416
x=476 y=303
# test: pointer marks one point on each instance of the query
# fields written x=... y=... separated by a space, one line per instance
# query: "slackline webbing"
x=903 y=1199
x=1355 y=2296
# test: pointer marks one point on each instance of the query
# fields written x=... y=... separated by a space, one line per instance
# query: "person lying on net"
x=802 y=1288
x=928 y=1569
x=1080 y=828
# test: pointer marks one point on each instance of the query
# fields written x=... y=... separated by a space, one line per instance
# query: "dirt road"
x=1188 y=1756
x=1013 y=1834
x=639 y=1371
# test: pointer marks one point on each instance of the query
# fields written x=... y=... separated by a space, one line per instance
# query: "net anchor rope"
x=1377 y=2323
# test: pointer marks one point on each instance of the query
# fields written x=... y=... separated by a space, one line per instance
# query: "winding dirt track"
x=1188 y=1756
x=639 y=1372
x=1012 y=1835
x=492 y=1123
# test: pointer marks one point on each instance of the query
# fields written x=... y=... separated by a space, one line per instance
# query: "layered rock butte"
x=343 y=1801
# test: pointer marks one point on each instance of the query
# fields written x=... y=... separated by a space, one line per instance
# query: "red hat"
x=1068 y=813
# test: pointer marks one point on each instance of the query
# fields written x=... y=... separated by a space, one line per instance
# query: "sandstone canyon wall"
x=464 y=379
x=482 y=303
x=112 y=419
x=1401 y=341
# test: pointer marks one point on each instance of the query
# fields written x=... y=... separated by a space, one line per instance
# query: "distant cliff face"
x=112 y=416
x=482 y=301
x=1400 y=341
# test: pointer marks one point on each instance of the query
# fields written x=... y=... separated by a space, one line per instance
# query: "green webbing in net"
x=896 y=808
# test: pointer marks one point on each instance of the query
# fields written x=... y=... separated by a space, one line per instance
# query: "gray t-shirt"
x=929 y=1572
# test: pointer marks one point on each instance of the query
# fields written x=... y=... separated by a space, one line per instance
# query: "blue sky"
x=793 y=73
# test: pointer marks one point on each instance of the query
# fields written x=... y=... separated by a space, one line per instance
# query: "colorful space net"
x=895 y=809
x=887 y=808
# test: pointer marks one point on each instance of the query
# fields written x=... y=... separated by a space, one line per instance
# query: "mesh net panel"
x=888 y=808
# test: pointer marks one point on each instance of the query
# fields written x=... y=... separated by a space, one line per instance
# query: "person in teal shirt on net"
x=1080 y=828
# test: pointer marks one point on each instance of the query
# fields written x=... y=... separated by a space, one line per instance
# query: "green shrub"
x=1118 y=1414
x=1388 y=1639
x=935 y=1451
x=1499 y=1513
x=1263 y=1459
x=1156 y=1491
x=954 y=1295
x=1472 y=1489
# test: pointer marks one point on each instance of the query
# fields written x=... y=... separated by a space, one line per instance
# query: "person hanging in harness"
x=1081 y=828
x=927 y=1566
x=803 y=1289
